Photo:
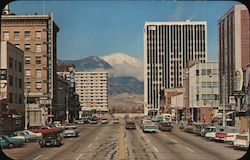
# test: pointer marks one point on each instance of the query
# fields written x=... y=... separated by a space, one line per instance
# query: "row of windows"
x=207 y=97
x=13 y=98
x=207 y=72
x=38 y=60
x=38 y=73
x=14 y=83
x=38 y=85
x=27 y=47
x=15 y=64
x=17 y=35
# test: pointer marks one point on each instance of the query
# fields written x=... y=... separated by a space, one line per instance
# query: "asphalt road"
x=114 y=142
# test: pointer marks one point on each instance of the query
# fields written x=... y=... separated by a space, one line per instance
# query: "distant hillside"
x=130 y=85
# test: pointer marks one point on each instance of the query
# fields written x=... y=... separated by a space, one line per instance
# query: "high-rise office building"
x=234 y=48
x=168 y=46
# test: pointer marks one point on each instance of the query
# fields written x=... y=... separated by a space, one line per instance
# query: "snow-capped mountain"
x=121 y=58
x=125 y=65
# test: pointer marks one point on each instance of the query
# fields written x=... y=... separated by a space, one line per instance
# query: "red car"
x=46 y=129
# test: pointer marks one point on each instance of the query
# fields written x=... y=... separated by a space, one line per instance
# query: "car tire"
x=10 y=146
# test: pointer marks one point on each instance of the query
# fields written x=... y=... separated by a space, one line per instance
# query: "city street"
x=112 y=141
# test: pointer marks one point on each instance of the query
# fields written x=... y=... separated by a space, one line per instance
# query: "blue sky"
x=103 y=27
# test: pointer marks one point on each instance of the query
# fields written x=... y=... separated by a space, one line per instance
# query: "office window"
x=27 y=72
x=203 y=72
x=38 y=34
x=6 y=36
x=10 y=62
x=28 y=85
x=11 y=97
x=16 y=65
x=38 y=60
x=38 y=85
x=15 y=82
x=11 y=80
x=38 y=73
x=16 y=35
x=20 y=99
x=197 y=72
x=38 y=48
x=20 y=85
x=20 y=67
x=27 y=47
x=26 y=35
x=27 y=60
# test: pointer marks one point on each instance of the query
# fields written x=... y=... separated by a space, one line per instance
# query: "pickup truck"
x=242 y=140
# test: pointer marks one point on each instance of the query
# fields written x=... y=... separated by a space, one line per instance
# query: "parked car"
x=14 y=135
x=8 y=142
x=204 y=130
x=38 y=135
x=149 y=127
x=241 y=141
x=104 y=121
x=197 y=128
x=188 y=128
x=52 y=139
x=130 y=125
x=165 y=126
x=210 y=135
x=116 y=120
x=93 y=121
x=79 y=121
x=46 y=130
x=28 y=137
x=71 y=131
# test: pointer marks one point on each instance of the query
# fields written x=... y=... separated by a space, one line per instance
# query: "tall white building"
x=168 y=46
x=92 y=88
x=203 y=88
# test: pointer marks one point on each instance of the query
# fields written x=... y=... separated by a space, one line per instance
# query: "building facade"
x=234 y=48
x=203 y=90
x=36 y=35
x=168 y=46
x=92 y=88
x=11 y=88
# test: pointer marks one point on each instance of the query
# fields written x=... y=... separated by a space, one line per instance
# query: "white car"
x=211 y=133
x=104 y=121
x=71 y=131
x=38 y=135
x=242 y=140
x=15 y=136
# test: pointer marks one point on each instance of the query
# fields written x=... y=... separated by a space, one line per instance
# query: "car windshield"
x=150 y=127
x=50 y=136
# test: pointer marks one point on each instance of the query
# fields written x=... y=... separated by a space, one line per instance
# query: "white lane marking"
x=156 y=150
x=173 y=140
x=79 y=156
x=37 y=157
x=89 y=145
x=189 y=149
x=148 y=140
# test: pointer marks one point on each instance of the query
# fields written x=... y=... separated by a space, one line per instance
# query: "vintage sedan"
x=8 y=142
x=165 y=126
x=38 y=135
x=28 y=137
x=71 y=131
x=53 y=139
x=46 y=130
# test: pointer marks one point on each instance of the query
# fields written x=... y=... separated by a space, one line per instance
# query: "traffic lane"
x=103 y=146
x=216 y=149
x=32 y=150
x=137 y=147
x=72 y=146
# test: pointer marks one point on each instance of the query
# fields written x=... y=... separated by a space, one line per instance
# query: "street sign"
x=3 y=74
